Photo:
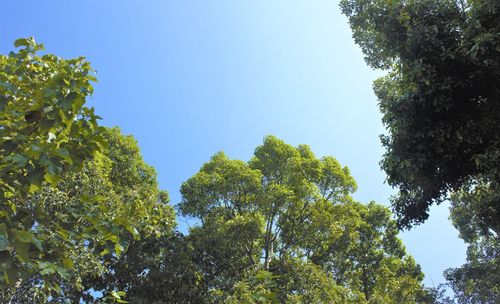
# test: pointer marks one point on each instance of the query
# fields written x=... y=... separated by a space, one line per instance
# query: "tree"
x=256 y=287
x=440 y=98
x=74 y=195
x=478 y=280
x=44 y=130
x=291 y=215
x=128 y=206
x=155 y=270
x=440 y=105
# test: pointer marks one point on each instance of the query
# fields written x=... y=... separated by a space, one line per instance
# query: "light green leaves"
x=88 y=217
x=291 y=215
x=39 y=140
x=220 y=182
x=117 y=296
x=26 y=42
x=4 y=243
x=133 y=230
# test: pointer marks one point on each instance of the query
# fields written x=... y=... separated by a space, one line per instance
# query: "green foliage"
x=155 y=270
x=478 y=280
x=256 y=287
x=45 y=130
x=440 y=105
x=305 y=282
x=286 y=234
x=290 y=214
x=440 y=98
x=97 y=235
x=73 y=196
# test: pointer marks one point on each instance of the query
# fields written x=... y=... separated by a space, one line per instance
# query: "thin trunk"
x=268 y=242
x=250 y=255
x=269 y=254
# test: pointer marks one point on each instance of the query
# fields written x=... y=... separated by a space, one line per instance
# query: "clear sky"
x=190 y=78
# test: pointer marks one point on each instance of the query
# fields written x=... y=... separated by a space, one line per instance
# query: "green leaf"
x=24 y=236
x=48 y=270
x=3 y=230
x=22 y=251
x=51 y=178
x=11 y=275
x=101 y=140
x=20 y=160
x=37 y=243
x=6 y=277
x=68 y=263
x=36 y=148
x=104 y=252
x=34 y=188
x=54 y=168
x=64 y=273
x=63 y=233
x=22 y=42
x=35 y=176
x=118 y=249
x=116 y=295
x=133 y=231
x=40 y=214
x=64 y=154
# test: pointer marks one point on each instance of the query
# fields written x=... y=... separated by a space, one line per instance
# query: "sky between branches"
x=190 y=78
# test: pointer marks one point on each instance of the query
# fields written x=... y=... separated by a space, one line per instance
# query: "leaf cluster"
x=439 y=99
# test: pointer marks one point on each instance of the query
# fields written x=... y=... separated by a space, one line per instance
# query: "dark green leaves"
x=440 y=105
x=439 y=99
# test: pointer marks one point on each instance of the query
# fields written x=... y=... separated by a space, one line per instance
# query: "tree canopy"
x=82 y=218
x=478 y=280
x=440 y=104
x=283 y=228
x=129 y=207
x=440 y=98
x=45 y=129
x=72 y=194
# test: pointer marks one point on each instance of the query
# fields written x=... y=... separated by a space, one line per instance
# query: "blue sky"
x=190 y=78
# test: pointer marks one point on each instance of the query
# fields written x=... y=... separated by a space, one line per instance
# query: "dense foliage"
x=440 y=104
x=73 y=195
x=44 y=130
x=283 y=228
x=477 y=281
x=440 y=98
x=129 y=207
